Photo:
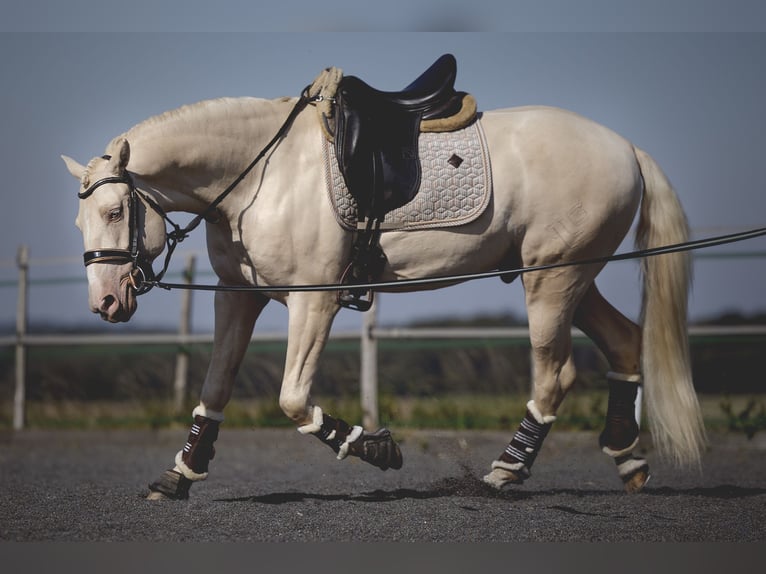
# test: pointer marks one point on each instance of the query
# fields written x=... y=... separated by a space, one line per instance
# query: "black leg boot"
x=620 y=435
x=514 y=464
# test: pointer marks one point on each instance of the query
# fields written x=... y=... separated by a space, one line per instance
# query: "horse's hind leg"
x=551 y=298
x=619 y=339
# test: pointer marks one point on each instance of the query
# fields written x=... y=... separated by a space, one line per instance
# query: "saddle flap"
x=377 y=154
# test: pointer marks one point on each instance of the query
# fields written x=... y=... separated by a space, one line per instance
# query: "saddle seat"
x=432 y=93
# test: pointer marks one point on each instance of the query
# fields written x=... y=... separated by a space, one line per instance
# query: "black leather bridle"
x=142 y=276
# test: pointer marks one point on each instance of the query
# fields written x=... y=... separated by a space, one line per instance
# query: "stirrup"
x=366 y=263
x=355 y=299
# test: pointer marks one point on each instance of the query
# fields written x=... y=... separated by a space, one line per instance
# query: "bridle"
x=141 y=276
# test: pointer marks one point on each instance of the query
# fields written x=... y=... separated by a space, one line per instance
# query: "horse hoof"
x=634 y=472
x=379 y=449
x=500 y=477
x=636 y=482
x=153 y=495
x=171 y=485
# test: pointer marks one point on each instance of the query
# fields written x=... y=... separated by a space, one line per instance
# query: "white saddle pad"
x=455 y=187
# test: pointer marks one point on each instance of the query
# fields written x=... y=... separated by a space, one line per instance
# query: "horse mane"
x=177 y=117
x=181 y=116
x=168 y=118
x=182 y=113
x=209 y=114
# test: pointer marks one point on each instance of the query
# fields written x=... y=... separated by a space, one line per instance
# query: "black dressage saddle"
x=376 y=138
x=376 y=143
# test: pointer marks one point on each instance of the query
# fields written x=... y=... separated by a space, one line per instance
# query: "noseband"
x=141 y=276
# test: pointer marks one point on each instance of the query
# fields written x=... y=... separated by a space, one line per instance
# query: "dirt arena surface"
x=274 y=485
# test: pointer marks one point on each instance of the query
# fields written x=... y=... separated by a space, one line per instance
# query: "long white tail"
x=672 y=408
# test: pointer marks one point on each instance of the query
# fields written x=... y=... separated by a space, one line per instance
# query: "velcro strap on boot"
x=525 y=445
x=335 y=433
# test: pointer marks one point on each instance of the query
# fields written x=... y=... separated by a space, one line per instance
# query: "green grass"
x=580 y=411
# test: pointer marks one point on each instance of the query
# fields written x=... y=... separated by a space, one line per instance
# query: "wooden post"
x=369 y=369
x=19 y=396
x=180 y=382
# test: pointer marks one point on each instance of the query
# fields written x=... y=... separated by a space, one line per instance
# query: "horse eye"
x=114 y=215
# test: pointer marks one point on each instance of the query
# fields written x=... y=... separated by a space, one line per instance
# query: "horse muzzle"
x=118 y=305
x=141 y=277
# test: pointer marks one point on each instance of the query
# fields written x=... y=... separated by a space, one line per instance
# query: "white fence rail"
x=368 y=337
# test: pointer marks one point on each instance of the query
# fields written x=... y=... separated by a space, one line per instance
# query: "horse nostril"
x=106 y=303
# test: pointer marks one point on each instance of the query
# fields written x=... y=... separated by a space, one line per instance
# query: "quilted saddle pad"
x=455 y=187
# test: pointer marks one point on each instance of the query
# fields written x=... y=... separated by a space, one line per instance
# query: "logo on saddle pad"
x=454 y=189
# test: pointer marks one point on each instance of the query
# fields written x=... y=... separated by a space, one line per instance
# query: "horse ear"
x=119 y=149
x=74 y=168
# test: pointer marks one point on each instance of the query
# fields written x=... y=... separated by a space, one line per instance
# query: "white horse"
x=562 y=188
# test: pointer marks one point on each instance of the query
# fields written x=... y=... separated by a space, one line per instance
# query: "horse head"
x=119 y=232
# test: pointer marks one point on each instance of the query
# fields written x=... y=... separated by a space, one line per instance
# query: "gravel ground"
x=276 y=485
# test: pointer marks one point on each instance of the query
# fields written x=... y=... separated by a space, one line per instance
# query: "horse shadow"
x=472 y=487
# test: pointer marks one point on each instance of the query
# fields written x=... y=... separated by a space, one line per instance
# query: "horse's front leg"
x=235 y=316
x=310 y=319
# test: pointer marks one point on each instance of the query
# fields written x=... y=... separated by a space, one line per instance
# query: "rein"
x=142 y=277
x=638 y=254
x=148 y=279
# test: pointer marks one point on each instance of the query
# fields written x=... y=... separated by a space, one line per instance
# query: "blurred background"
x=674 y=81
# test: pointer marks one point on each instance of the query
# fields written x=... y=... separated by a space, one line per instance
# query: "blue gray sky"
x=683 y=87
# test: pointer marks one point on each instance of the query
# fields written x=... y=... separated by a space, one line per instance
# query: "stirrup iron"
x=354 y=299
x=367 y=260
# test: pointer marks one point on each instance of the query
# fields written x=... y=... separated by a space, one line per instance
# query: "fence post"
x=180 y=382
x=369 y=369
x=19 y=396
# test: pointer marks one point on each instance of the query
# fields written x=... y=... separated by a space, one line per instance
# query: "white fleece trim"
x=615 y=376
x=535 y=412
x=500 y=477
x=203 y=411
x=631 y=466
x=355 y=433
x=316 y=425
x=186 y=471
x=507 y=465
x=618 y=453
x=517 y=467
